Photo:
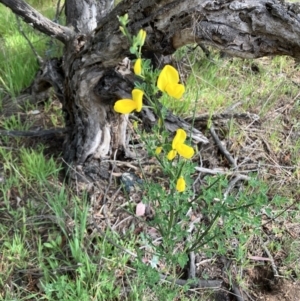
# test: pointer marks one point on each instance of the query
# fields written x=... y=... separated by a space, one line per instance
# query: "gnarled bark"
x=95 y=46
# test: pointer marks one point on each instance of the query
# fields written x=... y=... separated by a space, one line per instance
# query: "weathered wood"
x=38 y=21
x=90 y=84
x=243 y=28
x=84 y=15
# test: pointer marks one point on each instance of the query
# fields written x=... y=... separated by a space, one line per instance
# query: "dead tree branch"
x=38 y=21
x=40 y=60
x=39 y=133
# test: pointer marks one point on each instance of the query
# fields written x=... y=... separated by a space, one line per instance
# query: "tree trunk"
x=91 y=76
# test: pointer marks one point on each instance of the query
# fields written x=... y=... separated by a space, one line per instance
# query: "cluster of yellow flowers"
x=167 y=82
x=178 y=145
x=185 y=151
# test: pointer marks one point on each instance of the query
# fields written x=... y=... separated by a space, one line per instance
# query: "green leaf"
x=123 y=20
x=133 y=49
x=182 y=260
x=48 y=245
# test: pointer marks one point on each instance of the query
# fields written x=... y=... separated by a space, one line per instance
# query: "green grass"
x=18 y=65
x=43 y=204
x=35 y=167
x=47 y=253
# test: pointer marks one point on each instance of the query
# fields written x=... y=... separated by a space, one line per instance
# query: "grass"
x=18 y=65
x=44 y=231
x=50 y=248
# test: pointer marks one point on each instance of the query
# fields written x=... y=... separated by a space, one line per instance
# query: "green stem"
x=171 y=220
x=180 y=169
x=197 y=246
x=205 y=232
x=241 y=207
x=206 y=188
x=127 y=33
x=157 y=109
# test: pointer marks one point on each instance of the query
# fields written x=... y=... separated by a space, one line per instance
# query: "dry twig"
x=39 y=133
x=197 y=283
x=40 y=60
x=192 y=266
x=206 y=117
x=237 y=293
x=274 y=268
x=222 y=148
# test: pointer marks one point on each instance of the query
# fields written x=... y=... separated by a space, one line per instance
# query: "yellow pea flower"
x=158 y=150
x=171 y=154
x=168 y=82
x=180 y=185
x=126 y=106
x=179 y=146
x=137 y=68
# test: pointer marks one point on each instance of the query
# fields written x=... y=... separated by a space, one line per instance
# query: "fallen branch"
x=214 y=171
x=237 y=293
x=195 y=283
x=222 y=148
x=38 y=21
x=39 y=133
x=206 y=117
x=40 y=60
x=238 y=177
x=192 y=266
x=273 y=265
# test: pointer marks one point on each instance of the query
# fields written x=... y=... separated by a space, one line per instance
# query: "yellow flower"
x=158 y=150
x=126 y=106
x=141 y=37
x=168 y=82
x=171 y=154
x=179 y=146
x=138 y=67
x=180 y=185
